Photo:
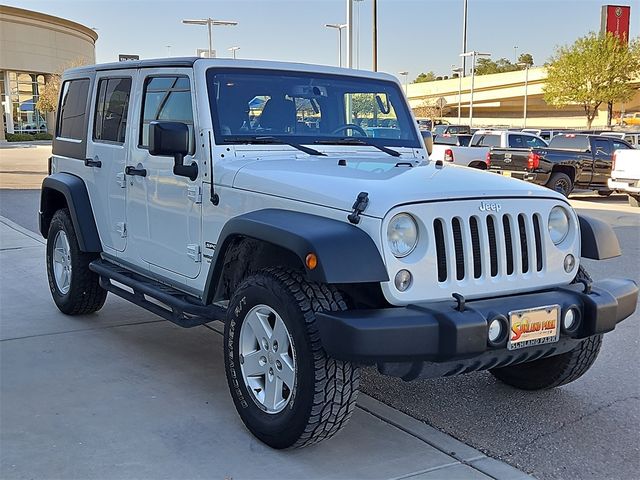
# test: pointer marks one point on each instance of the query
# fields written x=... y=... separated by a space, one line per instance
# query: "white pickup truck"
x=625 y=174
x=475 y=155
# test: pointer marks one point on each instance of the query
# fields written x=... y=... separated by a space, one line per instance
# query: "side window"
x=631 y=139
x=111 y=110
x=619 y=146
x=515 y=141
x=165 y=98
x=601 y=146
x=534 y=142
x=73 y=105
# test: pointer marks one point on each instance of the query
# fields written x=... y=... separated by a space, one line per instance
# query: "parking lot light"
x=473 y=54
x=526 y=90
x=209 y=22
x=338 y=27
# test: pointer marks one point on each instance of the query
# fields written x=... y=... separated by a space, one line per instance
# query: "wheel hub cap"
x=267 y=359
x=62 y=262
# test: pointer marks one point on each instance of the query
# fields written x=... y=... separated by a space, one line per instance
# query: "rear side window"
x=168 y=99
x=570 y=142
x=488 y=141
x=445 y=140
x=533 y=142
x=516 y=141
x=112 y=104
x=72 y=111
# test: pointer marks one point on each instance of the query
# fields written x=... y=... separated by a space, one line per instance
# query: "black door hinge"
x=358 y=207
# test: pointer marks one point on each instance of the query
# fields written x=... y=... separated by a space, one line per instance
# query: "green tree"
x=526 y=58
x=596 y=69
x=486 y=66
x=362 y=105
x=425 y=77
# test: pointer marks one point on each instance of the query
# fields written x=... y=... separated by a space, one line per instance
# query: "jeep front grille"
x=488 y=246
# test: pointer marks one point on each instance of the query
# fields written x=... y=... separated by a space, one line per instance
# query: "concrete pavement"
x=123 y=394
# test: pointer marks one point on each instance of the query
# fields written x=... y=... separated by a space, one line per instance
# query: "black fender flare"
x=77 y=200
x=346 y=254
x=597 y=238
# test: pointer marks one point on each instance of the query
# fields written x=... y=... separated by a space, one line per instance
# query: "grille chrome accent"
x=501 y=245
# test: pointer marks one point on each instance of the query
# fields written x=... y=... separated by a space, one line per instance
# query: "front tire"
x=75 y=289
x=286 y=389
x=552 y=371
x=605 y=193
x=560 y=182
x=634 y=200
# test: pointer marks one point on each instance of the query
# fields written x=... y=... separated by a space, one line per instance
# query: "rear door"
x=107 y=153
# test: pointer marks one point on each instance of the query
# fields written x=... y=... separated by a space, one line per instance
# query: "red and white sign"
x=615 y=19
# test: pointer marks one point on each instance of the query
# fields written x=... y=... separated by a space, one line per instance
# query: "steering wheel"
x=350 y=126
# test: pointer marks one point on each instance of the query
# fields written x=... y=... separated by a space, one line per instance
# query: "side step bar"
x=175 y=306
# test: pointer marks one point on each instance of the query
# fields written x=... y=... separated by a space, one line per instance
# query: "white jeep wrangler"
x=297 y=205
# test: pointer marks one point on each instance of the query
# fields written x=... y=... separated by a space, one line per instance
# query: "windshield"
x=307 y=108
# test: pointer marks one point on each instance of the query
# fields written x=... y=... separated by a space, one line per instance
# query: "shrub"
x=19 y=137
x=43 y=136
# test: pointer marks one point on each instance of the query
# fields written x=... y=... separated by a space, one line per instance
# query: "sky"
x=413 y=35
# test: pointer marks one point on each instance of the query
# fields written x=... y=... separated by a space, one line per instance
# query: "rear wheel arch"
x=567 y=170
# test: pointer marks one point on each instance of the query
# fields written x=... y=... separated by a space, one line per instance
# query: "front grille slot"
x=457 y=243
x=523 y=244
x=440 y=250
x=538 y=237
x=493 y=247
x=475 y=243
x=506 y=223
x=473 y=248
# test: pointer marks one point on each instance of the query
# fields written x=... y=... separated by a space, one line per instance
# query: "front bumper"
x=436 y=339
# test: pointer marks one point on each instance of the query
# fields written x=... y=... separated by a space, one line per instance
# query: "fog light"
x=570 y=320
x=569 y=263
x=403 y=280
x=495 y=331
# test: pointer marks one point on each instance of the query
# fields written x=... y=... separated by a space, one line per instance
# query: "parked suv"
x=199 y=190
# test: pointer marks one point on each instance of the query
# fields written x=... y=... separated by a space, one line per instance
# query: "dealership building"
x=33 y=46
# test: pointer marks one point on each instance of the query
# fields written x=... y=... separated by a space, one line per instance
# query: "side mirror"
x=171 y=139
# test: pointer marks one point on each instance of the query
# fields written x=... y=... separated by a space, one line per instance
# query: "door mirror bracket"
x=171 y=139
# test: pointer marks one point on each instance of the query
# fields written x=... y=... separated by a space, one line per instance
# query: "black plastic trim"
x=77 y=199
x=437 y=332
x=346 y=254
x=598 y=240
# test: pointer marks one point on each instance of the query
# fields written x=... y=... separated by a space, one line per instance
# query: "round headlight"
x=558 y=225
x=402 y=235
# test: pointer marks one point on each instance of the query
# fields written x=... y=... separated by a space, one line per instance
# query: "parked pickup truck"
x=625 y=174
x=475 y=155
x=570 y=160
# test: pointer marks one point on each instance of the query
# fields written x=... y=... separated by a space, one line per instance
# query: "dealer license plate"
x=534 y=326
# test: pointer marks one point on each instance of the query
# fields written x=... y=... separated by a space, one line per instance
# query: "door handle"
x=140 y=172
x=89 y=162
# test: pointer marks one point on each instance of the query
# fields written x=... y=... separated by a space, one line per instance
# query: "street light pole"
x=233 y=51
x=458 y=71
x=349 y=33
x=526 y=91
x=375 y=36
x=473 y=56
x=405 y=74
x=338 y=27
x=210 y=22
x=464 y=37
x=515 y=53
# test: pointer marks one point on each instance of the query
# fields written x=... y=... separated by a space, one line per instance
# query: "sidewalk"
x=124 y=394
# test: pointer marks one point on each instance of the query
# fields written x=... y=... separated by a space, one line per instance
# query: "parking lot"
x=125 y=391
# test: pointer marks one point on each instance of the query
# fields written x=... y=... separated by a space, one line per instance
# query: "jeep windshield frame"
x=308 y=108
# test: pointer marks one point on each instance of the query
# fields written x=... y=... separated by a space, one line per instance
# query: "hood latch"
x=358 y=207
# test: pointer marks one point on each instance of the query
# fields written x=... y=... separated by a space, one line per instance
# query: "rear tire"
x=634 y=200
x=605 y=193
x=560 y=182
x=315 y=398
x=552 y=371
x=75 y=289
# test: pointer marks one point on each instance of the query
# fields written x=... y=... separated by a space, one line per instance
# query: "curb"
x=441 y=441
x=19 y=228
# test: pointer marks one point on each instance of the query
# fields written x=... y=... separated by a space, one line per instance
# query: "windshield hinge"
x=358 y=207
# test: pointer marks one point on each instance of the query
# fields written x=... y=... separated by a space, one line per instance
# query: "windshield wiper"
x=267 y=140
x=357 y=141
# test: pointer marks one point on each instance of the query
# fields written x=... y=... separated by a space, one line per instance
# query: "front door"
x=165 y=210
x=602 y=156
x=107 y=154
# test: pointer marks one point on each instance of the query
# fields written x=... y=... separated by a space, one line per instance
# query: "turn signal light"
x=311 y=261
x=613 y=162
x=533 y=161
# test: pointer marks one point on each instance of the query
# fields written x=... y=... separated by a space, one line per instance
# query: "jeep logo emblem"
x=490 y=207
